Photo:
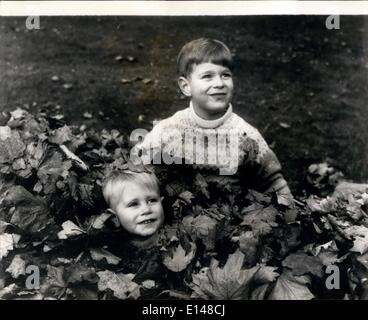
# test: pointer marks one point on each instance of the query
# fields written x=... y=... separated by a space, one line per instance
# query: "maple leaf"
x=12 y=147
x=51 y=170
x=54 y=285
x=78 y=272
x=6 y=244
x=17 y=267
x=360 y=234
x=230 y=282
x=99 y=254
x=260 y=218
x=327 y=253
x=35 y=153
x=300 y=263
x=8 y=291
x=290 y=287
x=179 y=260
x=248 y=244
x=203 y=227
x=31 y=213
x=120 y=284
x=61 y=135
x=321 y=205
x=70 y=229
x=98 y=221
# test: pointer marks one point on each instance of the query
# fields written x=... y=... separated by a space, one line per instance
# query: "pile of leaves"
x=58 y=240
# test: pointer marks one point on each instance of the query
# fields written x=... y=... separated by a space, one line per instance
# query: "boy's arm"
x=262 y=169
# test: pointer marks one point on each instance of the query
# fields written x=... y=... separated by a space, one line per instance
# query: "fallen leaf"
x=61 y=135
x=300 y=263
x=12 y=147
x=290 y=287
x=77 y=273
x=99 y=254
x=6 y=244
x=327 y=253
x=67 y=86
x=284 y=125
x=54 y=284
x=31 y=213
x=120 y=284
x=260 y=218
x=5 y=133
x=231 y=282
x=8 y=291
x=87 y=115
x=17 y=267
x=202 y=227
x=98 y=221
x=248 y=245
x=360 y=234
x=179 y=260
x=70 y=229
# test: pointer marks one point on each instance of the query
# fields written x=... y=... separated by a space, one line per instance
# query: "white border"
x=181 y=8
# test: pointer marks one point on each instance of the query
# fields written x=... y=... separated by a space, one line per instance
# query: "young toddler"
x=135 y=199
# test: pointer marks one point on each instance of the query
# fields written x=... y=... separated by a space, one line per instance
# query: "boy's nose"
x=218 y=81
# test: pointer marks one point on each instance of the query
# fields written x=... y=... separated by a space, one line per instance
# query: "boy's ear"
x=184 y=86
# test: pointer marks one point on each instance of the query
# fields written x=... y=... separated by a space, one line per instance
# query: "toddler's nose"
x=146 y=209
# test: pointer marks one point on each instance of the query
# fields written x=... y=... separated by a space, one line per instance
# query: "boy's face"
x=210 y=87
x=140 y=210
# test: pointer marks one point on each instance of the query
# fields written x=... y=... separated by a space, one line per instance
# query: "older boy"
x=208 y=134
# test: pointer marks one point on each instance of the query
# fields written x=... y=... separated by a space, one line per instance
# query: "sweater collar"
x=210 y=124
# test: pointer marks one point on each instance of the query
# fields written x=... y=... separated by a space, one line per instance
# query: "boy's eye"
x=227 y=75
x=206 y=76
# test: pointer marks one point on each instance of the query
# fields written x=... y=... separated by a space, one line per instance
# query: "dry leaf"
x=70 y=229
x=120 y=284
x=17 y=267
x=99 y=254
x=179 y=259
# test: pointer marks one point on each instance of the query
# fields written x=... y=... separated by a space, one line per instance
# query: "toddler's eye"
x=152 y=200
x=132 y=204
x=227 y=75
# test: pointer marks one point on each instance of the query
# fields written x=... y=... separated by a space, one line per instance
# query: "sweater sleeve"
x=261 y=169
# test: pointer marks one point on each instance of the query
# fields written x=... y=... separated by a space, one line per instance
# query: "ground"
x=303 y=86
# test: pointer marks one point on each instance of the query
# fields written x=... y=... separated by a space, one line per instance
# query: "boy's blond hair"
x=203 y=50
x=114 y=184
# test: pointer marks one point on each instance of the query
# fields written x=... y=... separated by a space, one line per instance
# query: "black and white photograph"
x=184 y=157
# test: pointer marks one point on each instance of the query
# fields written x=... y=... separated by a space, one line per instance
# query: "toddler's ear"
x=109 y=210
x=184 y=86
x=162 y=198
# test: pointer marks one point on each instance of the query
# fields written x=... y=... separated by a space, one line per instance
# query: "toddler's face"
x=140 y=210
x=210 y=87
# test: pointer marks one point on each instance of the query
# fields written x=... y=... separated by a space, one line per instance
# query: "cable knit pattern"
x=229 y=144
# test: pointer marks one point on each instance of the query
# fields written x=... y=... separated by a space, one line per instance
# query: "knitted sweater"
x=228 y=145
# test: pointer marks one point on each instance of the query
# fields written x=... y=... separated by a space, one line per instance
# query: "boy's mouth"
x=218 y=94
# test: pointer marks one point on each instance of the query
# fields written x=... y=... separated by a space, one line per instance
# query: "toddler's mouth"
x=148 y=221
